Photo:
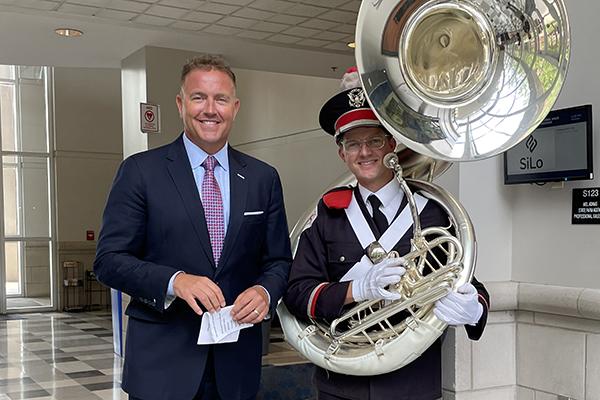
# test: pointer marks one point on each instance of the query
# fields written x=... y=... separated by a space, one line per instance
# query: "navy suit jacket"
x=154 y=226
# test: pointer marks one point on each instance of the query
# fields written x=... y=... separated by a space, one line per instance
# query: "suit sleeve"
x=474 y=332
x=122 y=241
x=311 y=293
x=276 y=253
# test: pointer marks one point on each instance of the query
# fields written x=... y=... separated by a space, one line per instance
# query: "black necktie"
x=381 y=221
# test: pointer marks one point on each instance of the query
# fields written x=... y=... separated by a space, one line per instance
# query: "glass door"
x=26 y=236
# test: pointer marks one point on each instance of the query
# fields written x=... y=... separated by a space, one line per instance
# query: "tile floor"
x=58 y=356
x=69 y=356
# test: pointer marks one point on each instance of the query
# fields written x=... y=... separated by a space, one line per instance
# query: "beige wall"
x=484 y=196
x=88 y=137
x=88 y=150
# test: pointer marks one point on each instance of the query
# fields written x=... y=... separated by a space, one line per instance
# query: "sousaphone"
x=453 y=81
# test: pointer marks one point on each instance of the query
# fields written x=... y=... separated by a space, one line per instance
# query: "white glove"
x=459 y=308
x=372 y=285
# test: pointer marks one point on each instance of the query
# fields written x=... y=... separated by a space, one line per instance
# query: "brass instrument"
x=452 y=80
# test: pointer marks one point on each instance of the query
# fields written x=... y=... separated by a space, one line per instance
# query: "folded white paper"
x=219 y=327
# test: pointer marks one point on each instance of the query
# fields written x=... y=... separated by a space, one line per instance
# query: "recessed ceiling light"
x=68 y=32
x=352 y=45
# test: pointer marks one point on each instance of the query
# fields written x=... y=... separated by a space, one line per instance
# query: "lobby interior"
x=69 y=112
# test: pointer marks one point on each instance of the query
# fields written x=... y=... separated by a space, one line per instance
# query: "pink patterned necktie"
x=213 y=207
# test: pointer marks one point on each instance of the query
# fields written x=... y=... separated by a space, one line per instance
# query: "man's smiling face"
x=208 y=105
x=364 y=161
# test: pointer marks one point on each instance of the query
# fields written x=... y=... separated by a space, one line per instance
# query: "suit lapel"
x=183 y=177
x=238 y=192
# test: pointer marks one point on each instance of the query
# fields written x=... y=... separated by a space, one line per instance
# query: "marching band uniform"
x=329 y=248
x=326 y=251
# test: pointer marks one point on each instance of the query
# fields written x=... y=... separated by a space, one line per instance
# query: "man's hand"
x=251 y=306
x=193 y=288
x=460 y=308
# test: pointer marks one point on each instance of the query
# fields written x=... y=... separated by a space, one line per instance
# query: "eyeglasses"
x=354 y=146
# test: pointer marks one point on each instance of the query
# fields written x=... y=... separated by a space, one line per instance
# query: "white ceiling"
x=297 y=36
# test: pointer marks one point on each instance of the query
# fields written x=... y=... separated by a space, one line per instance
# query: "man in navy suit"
x=189 y=228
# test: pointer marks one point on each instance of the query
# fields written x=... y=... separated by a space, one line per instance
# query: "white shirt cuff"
x=170 y=292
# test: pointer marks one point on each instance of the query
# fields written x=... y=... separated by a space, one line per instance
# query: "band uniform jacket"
x=326 y=251
x=153 y=226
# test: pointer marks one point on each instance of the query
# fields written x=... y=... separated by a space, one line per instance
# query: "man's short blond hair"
x=207 y=62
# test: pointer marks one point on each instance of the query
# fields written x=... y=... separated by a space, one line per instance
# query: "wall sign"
x=150 y=118
x=586 y=206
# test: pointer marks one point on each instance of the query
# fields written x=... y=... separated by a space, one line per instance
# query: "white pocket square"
x=253 y=213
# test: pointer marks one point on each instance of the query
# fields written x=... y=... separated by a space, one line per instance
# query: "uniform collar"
x=386 y=194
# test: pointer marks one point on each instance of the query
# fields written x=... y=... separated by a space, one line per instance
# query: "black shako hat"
x=347 y=109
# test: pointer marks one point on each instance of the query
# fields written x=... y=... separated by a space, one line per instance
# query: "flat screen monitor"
x=559 y=149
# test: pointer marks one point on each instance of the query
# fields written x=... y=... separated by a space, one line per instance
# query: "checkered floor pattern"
x=58 y=356
x=69 y=356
